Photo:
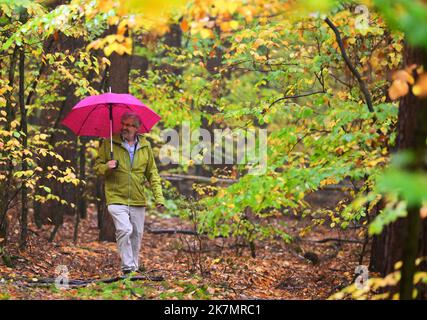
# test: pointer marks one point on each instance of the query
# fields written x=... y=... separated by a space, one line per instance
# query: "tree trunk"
x=45 y=213
x=119 y=83
x=24 y=208
x=80 y=198
x=119 y=70
x=402 y=240
x=5 y=184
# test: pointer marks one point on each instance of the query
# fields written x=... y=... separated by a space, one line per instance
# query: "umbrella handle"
x=117 y=163
x=112 y=158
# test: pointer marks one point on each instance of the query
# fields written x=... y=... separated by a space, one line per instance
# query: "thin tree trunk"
x=54 y=231
x=82 y=177
x=24 y=209
x=76 y=226
x=8 y=95
x=81 y=201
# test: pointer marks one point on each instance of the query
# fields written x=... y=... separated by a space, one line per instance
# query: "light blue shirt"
x=130 y=148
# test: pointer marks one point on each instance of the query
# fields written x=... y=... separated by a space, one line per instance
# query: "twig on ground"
x=80 y=283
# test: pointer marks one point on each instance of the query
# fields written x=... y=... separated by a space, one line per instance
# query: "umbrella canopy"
x=92 y=115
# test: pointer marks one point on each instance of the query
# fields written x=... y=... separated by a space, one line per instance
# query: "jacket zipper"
x=130 y=171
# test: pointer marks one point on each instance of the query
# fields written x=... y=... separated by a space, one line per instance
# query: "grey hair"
x=132 y=115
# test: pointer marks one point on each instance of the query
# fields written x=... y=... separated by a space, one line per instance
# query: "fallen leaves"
x=276 y=273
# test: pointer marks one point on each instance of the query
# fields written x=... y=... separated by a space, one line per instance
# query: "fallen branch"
x=333 y=239
x=178 y=231
x=172 y=231
x=180 y=177
x=82 y=283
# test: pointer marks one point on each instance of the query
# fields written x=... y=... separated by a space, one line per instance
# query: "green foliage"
x=119 y=290
x=251 y=66
x=47 y=75
x=409 y=186
x=322 y=136
x=401 y=187
x=407 y=16
x=389 y=214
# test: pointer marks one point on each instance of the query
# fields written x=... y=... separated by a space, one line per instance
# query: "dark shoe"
x=127 y=271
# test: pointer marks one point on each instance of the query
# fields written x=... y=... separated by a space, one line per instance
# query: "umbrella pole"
x=111 y=135
x=111 y=131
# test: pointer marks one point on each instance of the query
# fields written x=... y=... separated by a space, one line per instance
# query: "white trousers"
x=129 y=223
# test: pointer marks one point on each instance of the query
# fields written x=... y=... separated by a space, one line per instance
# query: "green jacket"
x=125 y=184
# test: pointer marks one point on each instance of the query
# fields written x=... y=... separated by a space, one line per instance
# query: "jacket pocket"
x=138 y=193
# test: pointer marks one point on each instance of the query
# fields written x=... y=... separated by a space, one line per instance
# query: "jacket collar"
x=142 y=140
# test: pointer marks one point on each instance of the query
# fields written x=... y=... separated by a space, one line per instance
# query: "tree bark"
x=46 y=213
x=406 y=238
x=4 y=185
x=119 y=70
x=24 y=208
x=119 y=83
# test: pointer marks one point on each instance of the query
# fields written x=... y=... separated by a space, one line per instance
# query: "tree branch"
x=291 y=97
x=353 y=70
x=178 y=177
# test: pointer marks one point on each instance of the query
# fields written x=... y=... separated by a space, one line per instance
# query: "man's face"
x=129 y=128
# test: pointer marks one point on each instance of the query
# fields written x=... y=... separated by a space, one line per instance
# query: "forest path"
x=302 y=270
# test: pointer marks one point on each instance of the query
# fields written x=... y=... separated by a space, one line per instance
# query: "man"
x=124 y=187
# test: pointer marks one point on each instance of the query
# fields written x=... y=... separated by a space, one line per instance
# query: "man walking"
x=124 y=187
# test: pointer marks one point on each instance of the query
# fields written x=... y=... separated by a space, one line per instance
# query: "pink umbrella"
x=100 y=115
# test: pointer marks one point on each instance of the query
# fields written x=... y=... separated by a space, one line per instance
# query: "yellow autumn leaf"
x=234 y=24
x=351 y=40
x=152 y=9
x=113 y=20
x=206 y=33
x=258 y=42
x=403 y=75
x=247 y=12
x=109 y=49
x=399 y=88
x=398 y=265
x=122 y=27
x=419 y=276
x=327 y=181
x=225 y=26
x=420 y=87
x=398 y=47
x=343 y=95
x=107 y=5
x=128 y=44
x=184 y=26
x=106 y=61
x=94 y=45
x=4 y=89
x=375 y=162
x=231 y=6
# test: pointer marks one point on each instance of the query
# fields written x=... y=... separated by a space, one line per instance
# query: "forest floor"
x=303 y=270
